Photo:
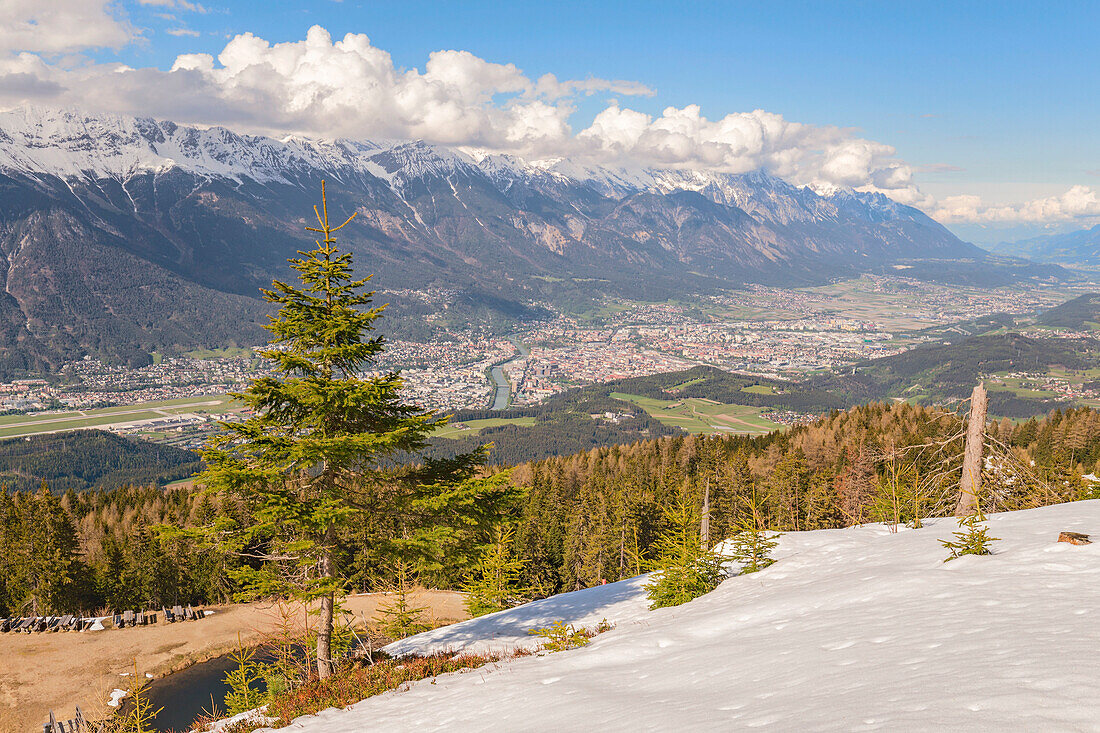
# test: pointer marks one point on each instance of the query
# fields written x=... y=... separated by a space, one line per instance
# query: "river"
x=503 y=395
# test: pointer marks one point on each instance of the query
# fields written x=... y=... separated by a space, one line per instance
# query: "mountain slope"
x=948 y=372
x=209 y=216
x=1077 y=249
x=1081 y=313
x=851 y=629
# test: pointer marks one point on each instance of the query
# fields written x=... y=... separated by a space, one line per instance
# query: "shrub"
x=561 y=636
x=971 y=539
x=359 y=682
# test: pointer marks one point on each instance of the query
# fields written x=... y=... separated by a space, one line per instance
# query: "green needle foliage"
x=752 y=547
x=244 y=681
x=331 y=448
x=496 y=582
x=136 y=714
x=399 y=618
x=971 y=539
x=684 y=568
x=561 y=637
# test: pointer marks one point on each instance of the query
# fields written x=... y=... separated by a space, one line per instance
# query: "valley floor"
x=855 y=629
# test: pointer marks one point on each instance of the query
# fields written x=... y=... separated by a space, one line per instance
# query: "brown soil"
x=58 y=671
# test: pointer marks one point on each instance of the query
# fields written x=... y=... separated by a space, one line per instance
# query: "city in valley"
x=762 y=331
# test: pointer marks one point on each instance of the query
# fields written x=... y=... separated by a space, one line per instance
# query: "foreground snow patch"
x=506 y=631
x=856 y=629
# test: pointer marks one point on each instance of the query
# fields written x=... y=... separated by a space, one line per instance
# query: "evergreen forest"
x=574 y=521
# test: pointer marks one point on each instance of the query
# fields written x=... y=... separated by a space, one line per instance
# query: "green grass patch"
x=226 y=353
x=473 y=427
x=697 y=415
x=759 y=389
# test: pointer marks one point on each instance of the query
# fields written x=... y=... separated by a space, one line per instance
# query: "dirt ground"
x=58 y=671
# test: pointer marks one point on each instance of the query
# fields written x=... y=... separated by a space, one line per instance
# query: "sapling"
x=244 y=680
x=685 y=569
x=561 y=636
x=496 y=582
x=971 y=539
x=400 y=618
x=752 y=546
x=138 y=715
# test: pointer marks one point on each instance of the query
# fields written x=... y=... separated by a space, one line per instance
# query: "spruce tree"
x=329 y=447
x=752 y=545
x=971 y=539
x=752 y=548
x=684 y=568
x=496 y=582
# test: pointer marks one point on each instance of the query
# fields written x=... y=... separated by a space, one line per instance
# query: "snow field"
x=854 y=629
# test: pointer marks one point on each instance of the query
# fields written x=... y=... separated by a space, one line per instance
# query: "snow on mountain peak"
x=69 y=144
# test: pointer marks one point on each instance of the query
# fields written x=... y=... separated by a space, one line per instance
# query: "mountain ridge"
x=213 y=215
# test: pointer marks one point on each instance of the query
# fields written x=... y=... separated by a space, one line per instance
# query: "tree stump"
x=1074 y=538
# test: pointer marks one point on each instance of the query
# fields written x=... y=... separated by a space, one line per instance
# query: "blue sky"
x=995 y=100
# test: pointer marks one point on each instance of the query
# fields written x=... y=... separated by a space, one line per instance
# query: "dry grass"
x=43 y=672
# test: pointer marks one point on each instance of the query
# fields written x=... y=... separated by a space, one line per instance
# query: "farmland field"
x=697 y=415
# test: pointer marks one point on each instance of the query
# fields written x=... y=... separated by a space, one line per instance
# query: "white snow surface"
x=38 y=141
x=506 y=631
x=854 y=629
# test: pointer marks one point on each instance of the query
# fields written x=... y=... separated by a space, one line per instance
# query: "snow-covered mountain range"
x=121 y=234
x=70 y=145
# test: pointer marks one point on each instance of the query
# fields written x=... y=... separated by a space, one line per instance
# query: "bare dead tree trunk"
x=324 y=628
x=704 y=523
x=971 y=485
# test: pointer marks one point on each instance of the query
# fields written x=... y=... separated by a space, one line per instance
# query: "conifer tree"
x=53 y=571
x=328 y=447
x=971 y=539
x=400 y=618
x=496 y=582
x=684 y=568
x=751 y=545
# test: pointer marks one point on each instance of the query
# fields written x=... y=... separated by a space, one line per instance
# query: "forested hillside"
x=947 y=372
x=565 y=424
x=1081 y=313
x=594 y=516
x=585 y=518
x=103 y=550
x=89 y=459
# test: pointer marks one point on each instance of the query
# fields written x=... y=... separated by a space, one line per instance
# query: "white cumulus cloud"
x=348 y=87
x=60 y=26
x=1079 y=202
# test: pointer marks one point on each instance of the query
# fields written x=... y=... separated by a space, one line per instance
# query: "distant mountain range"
x=120 y=236
x=1072 y=249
